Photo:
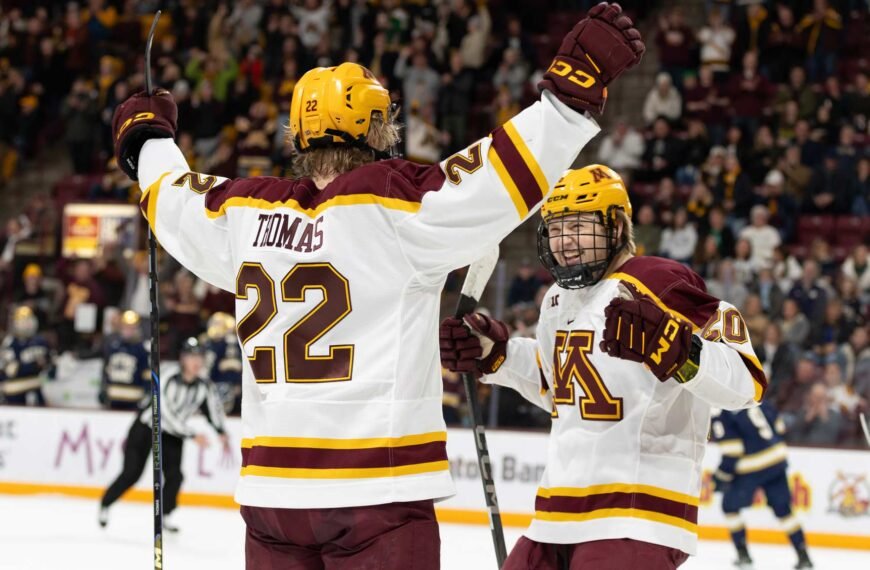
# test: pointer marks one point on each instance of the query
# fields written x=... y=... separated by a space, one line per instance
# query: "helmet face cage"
x=584 y=274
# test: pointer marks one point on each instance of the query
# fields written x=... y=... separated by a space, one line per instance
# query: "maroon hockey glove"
x=642 y=332
x=138 y=119
x=461 y=349
x=598 y=50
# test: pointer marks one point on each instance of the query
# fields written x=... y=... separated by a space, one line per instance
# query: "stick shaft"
x=154 y=356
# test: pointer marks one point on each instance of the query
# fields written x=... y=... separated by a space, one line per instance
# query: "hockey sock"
x=792 y=528
x=737 y=529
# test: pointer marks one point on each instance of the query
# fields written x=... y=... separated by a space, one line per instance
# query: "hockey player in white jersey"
x=337 y=276
x=630 y=356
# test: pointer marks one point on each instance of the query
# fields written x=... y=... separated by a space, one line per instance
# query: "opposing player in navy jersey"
x=223 y=360
x=753 y=457
x=125 y=366
x=25 y=357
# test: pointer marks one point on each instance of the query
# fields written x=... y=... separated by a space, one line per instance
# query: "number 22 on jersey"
x=299 y=364
x=571 y=364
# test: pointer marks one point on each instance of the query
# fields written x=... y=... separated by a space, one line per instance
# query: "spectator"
x=699 y=204
x=856 y=267
x=855 y=355
x=782 y=208
x=858 y=99
x=661 y=155
x=768 y=292
x=504 y=107
x=473 y=44
x=795 y=325
x=846 y=149
x=81 y=114
x=113 y=187
x=721 y=232
x=784 y=50
x=716 y=39
x=665 y=201
x=750 y=93
x=182 y=311
x=733 y=188
x=763 y=155
x=854 y=303
x=663 y=100
x=454 y=100
x=36 y=293
x=787 y=118
x=726 y=286
x=524 y=286
x=675 y=41
x=830 y=188
x=744 y=266
x=786 y=268
x=696 y=148
x=820 y=31
x=81 y=308
x=621 y=148
x=706 y=258
x=753 y=30
x=811 y=150
x=756 y=320
x=778 y=360
x=244 y=21
x=647 y=233
x=511 y=73
x=794 y=392
x=419 y=81
x=819 y=423
x=762 y=237
x=809 y=294
x=423 y=141
x=861 y=203
x=797 y=176
x=820 y=252
x=18 y=228
x=705 y=101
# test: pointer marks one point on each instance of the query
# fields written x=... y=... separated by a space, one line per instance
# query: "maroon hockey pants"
x=396 y=536
x=613 y=554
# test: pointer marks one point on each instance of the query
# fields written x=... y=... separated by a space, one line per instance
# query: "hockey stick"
x=156 y=440
x=864 y=426
x=475 y=282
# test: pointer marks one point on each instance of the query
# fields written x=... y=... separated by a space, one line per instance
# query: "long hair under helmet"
x=335 y=106
x=594 y=189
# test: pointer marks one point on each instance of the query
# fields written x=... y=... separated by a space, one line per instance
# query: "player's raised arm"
x=485 y=190
x=144 y=127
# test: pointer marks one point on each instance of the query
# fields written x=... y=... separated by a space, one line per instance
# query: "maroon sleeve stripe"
x=319 y=458
x=517 y=169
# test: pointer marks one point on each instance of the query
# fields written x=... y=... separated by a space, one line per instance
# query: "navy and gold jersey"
x=223 y=360
x=125 y=374
x=22 y=361
x=750 y=441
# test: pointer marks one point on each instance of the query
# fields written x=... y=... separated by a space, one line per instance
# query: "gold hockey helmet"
x=334 y=105
x=595 y=189
x=24 y=323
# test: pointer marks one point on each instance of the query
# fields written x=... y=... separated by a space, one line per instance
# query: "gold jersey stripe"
x=618 y=488
x=761 y=460
x=359 y=443
x=623 y=513
x=351 y=473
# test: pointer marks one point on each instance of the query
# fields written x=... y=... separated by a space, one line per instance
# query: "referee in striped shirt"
x=184 y=394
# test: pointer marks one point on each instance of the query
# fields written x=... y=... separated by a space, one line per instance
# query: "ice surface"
x=56 y=532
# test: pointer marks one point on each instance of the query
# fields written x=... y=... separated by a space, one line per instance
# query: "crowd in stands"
x=749 y=160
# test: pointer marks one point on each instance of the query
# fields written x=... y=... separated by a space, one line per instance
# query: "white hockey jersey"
x=625 y=450
x=337 y=299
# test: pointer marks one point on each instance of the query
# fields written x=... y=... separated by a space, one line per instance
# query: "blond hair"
x=334 y=160
x=627 y=231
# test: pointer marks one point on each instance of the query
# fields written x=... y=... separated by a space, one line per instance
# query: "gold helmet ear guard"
x=596 y=190
x=335 y=106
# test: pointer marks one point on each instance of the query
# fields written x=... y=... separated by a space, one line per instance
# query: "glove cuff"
x=496 y=358
x=131 y=145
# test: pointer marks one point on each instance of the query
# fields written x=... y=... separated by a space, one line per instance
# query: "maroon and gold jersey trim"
x=343 y=200
x=517 y=169
x=148 y=201
x=324 y=458
x=572 y=504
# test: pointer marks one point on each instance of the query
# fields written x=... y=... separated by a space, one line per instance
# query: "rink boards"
x=78 y=452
